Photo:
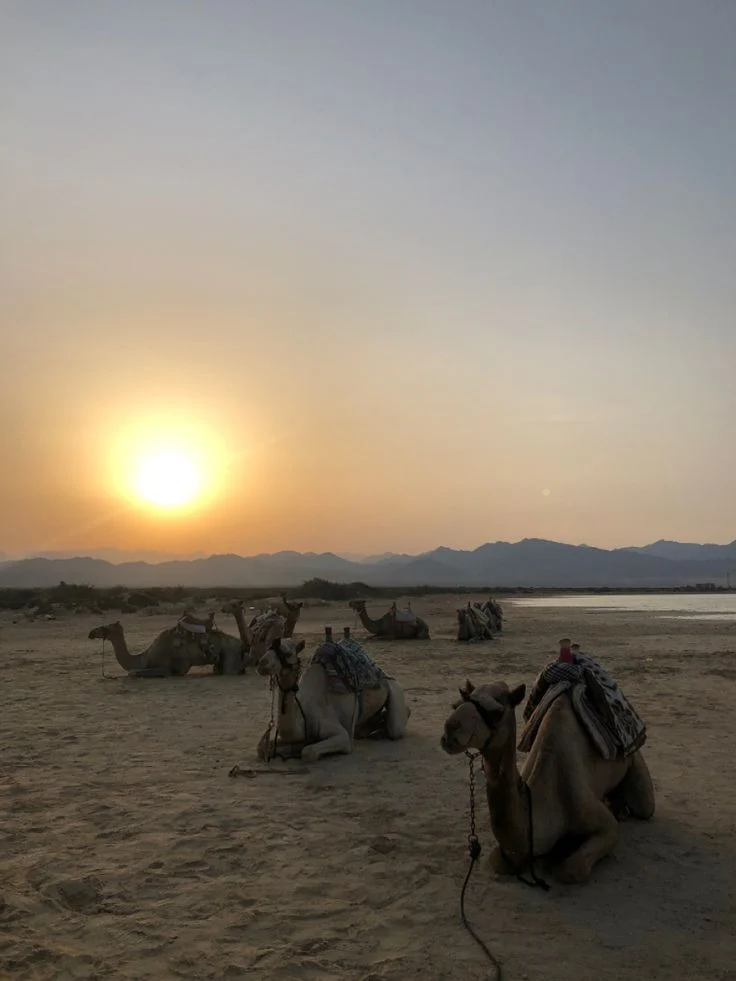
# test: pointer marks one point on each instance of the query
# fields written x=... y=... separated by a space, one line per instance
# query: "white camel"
x=314 y=719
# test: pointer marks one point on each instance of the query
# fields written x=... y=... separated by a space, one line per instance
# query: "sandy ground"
x=127 y=852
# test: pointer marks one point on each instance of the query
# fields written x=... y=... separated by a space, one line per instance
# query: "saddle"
x=402 y=616
x=348 y=666
x=196 y=625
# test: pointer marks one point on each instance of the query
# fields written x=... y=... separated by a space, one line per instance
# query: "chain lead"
x=474 y=847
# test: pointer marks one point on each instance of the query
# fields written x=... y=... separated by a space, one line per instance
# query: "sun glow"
x=174 y=462
x=168 y=478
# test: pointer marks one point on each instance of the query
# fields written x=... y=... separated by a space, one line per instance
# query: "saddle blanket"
x=605 y=713
x=403 y=616
x=261 y=624
x=348 y=667
x=192 y=628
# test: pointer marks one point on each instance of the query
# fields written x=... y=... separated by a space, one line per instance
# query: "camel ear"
x=467 y=691
x=300 y=646
x=516 y=695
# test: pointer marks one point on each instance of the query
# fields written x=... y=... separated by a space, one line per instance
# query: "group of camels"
x=195 y=641
x=567 y=789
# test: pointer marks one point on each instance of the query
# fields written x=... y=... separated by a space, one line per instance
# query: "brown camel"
x=176 y=650
x=562 y=788
x=395 y=624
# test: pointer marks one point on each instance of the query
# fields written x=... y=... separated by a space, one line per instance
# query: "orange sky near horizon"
x=401 y=280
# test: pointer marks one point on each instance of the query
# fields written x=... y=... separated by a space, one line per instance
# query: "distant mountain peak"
x=530 y=562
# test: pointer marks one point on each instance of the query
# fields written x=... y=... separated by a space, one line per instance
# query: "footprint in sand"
x=79 y=895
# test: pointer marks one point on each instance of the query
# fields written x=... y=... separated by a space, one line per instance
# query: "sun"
x=168 y=478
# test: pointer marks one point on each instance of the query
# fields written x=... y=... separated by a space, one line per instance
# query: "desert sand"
x=126 y=851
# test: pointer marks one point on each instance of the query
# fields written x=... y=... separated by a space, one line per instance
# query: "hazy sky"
x=405 y=272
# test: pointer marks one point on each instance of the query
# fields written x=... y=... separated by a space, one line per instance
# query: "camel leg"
x=603 y=835
x=499 y=863
x=636 y=791
x=339 y=743
x=397 y=712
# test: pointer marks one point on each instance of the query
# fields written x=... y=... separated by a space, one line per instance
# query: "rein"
x=275 y=684
x=474 y=847
x=474 y=850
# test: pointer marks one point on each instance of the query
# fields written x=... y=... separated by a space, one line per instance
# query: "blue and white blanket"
x=605 y=713
x=348 y=667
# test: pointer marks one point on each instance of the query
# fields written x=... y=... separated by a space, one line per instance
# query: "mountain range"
x=530 y=562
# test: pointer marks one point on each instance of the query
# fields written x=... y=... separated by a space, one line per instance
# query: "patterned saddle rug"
x=348 y=667
x=605 y=713
x=192 y=630
x=261 y=625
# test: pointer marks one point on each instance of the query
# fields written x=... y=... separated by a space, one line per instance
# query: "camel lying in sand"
x=191 y=642
x=562 y=785
x=258 y=634
x=474 y=624
x=314 y=719
x=395 y=624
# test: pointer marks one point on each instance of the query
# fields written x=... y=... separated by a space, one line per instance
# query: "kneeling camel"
x=561 y=789
x=313 y=719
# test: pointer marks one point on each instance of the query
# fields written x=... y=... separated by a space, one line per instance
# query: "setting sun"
x=168 y=479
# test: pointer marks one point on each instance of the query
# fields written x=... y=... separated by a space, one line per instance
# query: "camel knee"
x=602 y=831
x=636 y=790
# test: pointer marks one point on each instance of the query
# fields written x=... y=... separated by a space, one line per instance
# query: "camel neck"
x=242 y=628
x=290 y=723
x=506 y=800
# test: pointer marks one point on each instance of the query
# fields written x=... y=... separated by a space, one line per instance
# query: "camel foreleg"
x=340 y=742
x=602 y=837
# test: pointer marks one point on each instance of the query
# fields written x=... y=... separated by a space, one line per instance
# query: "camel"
x=264 y=628
x=317 y=712
x=394 y=625
x=191 y=642
x=474 y=623
x=493 y=609
x=562 y=788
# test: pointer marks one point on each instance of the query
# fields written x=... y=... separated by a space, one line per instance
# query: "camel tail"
x=397 y=711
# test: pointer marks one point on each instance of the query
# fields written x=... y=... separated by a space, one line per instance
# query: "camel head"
x=282 y=656
x=107 y=632
x=232 y=607
x=357 y=605
x=292 y=606
x=482 y=719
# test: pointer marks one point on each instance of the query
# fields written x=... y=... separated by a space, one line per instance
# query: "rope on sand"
x=253 y=772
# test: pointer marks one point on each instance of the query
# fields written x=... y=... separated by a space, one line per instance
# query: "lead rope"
x=474 y=850
x=108 y=677
x=269 y=746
